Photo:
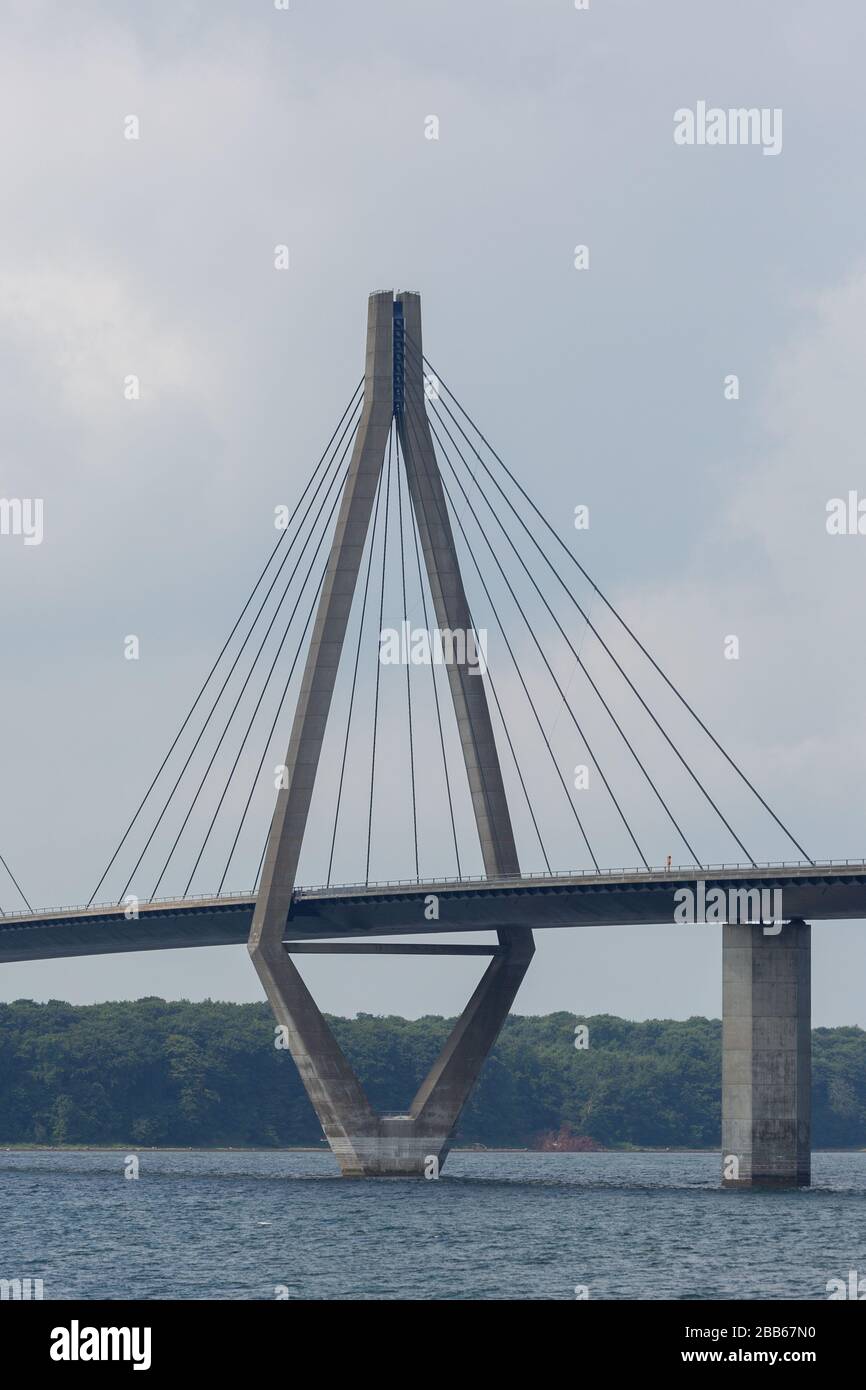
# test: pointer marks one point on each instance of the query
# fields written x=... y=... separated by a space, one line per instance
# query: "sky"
x=603 y=386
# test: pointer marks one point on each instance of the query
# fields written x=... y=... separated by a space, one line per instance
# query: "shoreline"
x=323 y=1149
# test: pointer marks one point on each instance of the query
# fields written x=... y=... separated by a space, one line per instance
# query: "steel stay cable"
x=248 y=677
x=250 y=631
x=645 y=706
x=350 y=407
x=270 y=737
x=355 y=671
x=414 y=523
x=604 y=600
x=540 y=650
x=408 y=663
x=301 y=640
x=492 y=684
x=495 y=693
x=587 y=620
x=17 y=885
x=264 y=689
x=580 y=664
x=378 y=656
x=526 y=691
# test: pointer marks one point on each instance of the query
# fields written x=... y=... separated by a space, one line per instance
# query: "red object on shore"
x=563 y=1140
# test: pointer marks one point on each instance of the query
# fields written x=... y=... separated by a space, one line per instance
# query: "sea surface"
x=266 y=1225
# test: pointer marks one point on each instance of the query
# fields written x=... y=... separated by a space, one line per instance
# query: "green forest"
x=155 y=1072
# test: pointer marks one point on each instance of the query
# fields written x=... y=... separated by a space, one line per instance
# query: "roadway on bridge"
x=819 y=892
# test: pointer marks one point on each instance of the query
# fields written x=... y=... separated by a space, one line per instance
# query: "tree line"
x=156 y=1072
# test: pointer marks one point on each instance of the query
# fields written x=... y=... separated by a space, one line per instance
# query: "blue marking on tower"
x=399 y=356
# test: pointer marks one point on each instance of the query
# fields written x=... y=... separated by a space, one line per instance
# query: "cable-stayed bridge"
x=474 y=747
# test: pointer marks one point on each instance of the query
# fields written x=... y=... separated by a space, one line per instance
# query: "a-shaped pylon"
x=365 y=1143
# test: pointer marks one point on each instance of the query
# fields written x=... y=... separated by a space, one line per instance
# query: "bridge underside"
x=814 y=894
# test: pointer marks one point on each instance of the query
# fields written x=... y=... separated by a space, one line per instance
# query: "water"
x=229 y=1225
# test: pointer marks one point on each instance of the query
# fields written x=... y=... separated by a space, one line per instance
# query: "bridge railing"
x=675 y=870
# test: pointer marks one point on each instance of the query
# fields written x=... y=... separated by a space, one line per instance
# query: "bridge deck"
x=818 y=892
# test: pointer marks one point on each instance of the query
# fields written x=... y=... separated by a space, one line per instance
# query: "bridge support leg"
x=766 y=1056
x=369 y=1145
x=416 y=1144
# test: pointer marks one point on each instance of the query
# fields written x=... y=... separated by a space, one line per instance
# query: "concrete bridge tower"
x=365 y=1143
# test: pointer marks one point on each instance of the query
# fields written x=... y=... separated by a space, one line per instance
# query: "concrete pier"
x=766 y=1056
